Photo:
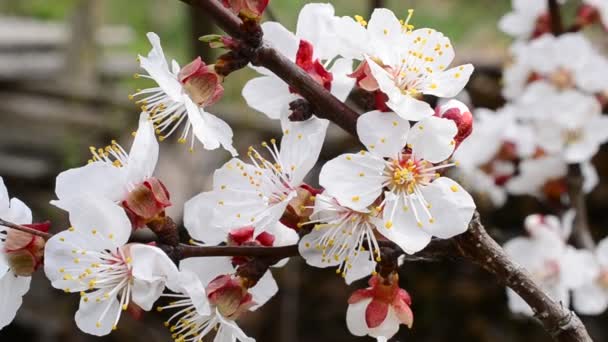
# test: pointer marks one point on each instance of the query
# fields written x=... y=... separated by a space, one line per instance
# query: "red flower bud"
x=313 y=67
x=201 y=82
x=248 y=8
x=146 y=202
x=459 y=113
x=229 y=296
x=25 y=252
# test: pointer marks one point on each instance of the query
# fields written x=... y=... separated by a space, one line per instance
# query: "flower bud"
x=461 y=115
x=25 y=252
x=244 y=237
x=229 y=295
x=300 y=207
x=201 y=82
x=248 y=8
x=313 y=67
x=146 y=202
x=383 y=293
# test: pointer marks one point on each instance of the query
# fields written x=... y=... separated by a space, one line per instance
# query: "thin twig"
x=557 y=26
x=25 y=229
x=580 y=232
x=187 y=251
x=475 y=244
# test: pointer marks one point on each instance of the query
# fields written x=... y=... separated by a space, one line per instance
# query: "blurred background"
x=66 y=69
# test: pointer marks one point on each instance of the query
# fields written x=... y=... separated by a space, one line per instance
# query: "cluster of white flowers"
x=555 y=87
x=396 y=191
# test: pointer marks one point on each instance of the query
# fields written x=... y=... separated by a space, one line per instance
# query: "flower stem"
x=25 y=229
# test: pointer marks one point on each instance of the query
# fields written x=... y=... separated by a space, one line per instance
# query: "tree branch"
x=581 y=232
x=25 y=229
x=475 y=244
x=557 y=26
x=324 y=103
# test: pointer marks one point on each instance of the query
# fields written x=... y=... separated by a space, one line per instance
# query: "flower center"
x=112 y=154
x=187 y=324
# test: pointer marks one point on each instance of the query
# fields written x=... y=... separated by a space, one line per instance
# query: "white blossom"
x=419 y=203
x=94 y=259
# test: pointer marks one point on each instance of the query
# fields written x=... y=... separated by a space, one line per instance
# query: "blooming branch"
x=475 y=244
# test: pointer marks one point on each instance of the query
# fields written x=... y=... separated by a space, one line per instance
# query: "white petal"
x=269 y=95
x=404 y=105
x=233 y=329
x=315 y=26
x=265 y=289
x=601 y=251
x=187 y=282
x=3 y=196
x=207 y=268
x=301 y=146
x=12 y=289
x=59 y=266
x=352 y=38
x=590 y=299
x=19 y=212
x=146 y=293
x=389 y=327
x=312 y=255
x=451 y=206
x=342 y=84
x=432 y=139
x=198 y=219
x=403 y=228
x=88 y=316
x=97 y=179
x=144 y=152
x=355 y=318
x=578 y=267
x=88 y=214
x=517 y=304
x=355 y=180
x=385 y=134
x=156 y=66
x=201 y=128
x=151 y=264
x=362 y=267
x=450 y=82
x=590 y=177
x=385 y=30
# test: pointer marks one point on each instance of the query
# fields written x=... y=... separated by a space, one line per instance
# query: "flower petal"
x=265 y=289
x=98 y=179
x=12 y=289
x=355 y=318
x=451 y=207
x=269 y=95
x=342 y=84
x=432 y=139
x=450 y=82
x=144 y=152
x=301 y=146
x=198 y=219
x=89 y=315
x=401 y=226
x=590 y=299
x=156 y=66
x=355 y=180
x=207 y=268
x=385 y=134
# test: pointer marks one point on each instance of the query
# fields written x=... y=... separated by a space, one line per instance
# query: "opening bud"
x=229 y=295
x=252 y=9
x=147 y=202
x=25 y=252
x=461 y=115
x=201 y=82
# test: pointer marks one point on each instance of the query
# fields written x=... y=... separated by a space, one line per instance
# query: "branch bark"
x=581 y=232
x=557 y=26
x=475 y=244
x=25 y=229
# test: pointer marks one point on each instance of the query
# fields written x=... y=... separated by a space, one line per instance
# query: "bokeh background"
x=66 y=69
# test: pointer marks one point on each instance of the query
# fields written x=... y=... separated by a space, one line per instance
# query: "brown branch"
x=325 y=104
x=187 y=251
x=25 y=229
x=557 y=26
x=475 y=244
x=581 y=232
